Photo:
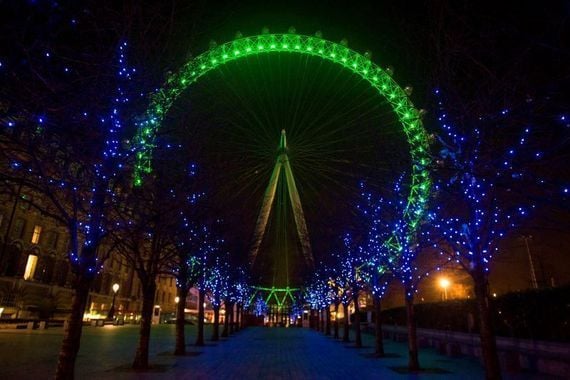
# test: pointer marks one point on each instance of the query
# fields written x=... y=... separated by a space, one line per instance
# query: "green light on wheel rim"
x=354 y=62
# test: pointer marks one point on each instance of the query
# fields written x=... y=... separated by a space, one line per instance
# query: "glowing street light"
x=444 y=284
x=111 y=314
x=176 y=300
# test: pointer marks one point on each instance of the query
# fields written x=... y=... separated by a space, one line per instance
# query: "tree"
x=241 y=290
x=76 y=183
x=217 y=284
x=317 y=295
x=397 y=254
x=191 y=240
x=336 y=291
x=351 y=263
x=210 y=248
x=377 y=272
x=145 y=239
x=186 y=264
x=482 y=207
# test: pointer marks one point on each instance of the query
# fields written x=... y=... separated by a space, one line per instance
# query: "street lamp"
x=444 y=284
x=176 y=300
x=111 y=314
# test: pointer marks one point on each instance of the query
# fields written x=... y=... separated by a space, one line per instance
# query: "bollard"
x=30 y=325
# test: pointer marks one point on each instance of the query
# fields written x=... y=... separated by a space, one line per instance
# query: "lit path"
x=254 y=353
x=294 y=353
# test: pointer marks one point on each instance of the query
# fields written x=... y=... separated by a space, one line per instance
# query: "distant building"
x=35 y=275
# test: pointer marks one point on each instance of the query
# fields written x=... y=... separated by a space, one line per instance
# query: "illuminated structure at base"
x=282 y=164
x=281 y=306
x=278 y=296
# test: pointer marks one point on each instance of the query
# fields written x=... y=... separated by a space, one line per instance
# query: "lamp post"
x=444 y=284
x=111 y=314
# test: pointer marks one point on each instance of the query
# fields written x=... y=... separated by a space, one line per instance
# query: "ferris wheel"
x=286 y=125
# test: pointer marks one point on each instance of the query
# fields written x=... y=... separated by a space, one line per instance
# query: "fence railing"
x=549 y=358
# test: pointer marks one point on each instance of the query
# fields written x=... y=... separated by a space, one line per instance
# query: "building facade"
x=36 y=278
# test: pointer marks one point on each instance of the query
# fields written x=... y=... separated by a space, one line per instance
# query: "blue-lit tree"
x=392 y=249
x=336 y=289
x=349 y=282
x=241 y=290
x=480 y=204
x=71 y=156
x=259 y=306
x=329 y=298
x=231 y=301
x=211 y=248
x=191 y=240
x=217 y=285
x=160 y=230
x=145 y=234
x=377 y=272
x=352 y=262
x=406 y=245
x=318 y=296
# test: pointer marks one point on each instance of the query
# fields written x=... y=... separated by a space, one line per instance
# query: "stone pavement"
x=253 y=353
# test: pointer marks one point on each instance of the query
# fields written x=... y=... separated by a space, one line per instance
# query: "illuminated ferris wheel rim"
x=408 y=116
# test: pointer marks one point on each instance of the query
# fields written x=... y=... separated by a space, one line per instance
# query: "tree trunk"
x=328 y=320
x=238 y=317
x=336 y=335
x=241 y=317
x=72 y=334
x=200 y=332
x=180 y=347
x=232 y=327
x=141 y=355
x=216 y=327
x=345 y=333
x=413 y=360
x=357 y=332
x=486 y=330
x=226 y=329
x=378 y=338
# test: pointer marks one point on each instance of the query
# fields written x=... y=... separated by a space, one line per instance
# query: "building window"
x=36 y=234
x=30 y=267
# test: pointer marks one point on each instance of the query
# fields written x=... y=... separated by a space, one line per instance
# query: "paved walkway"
x=279 y=353
x=254 y=353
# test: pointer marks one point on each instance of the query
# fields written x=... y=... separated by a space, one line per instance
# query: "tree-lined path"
x=254 y=353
